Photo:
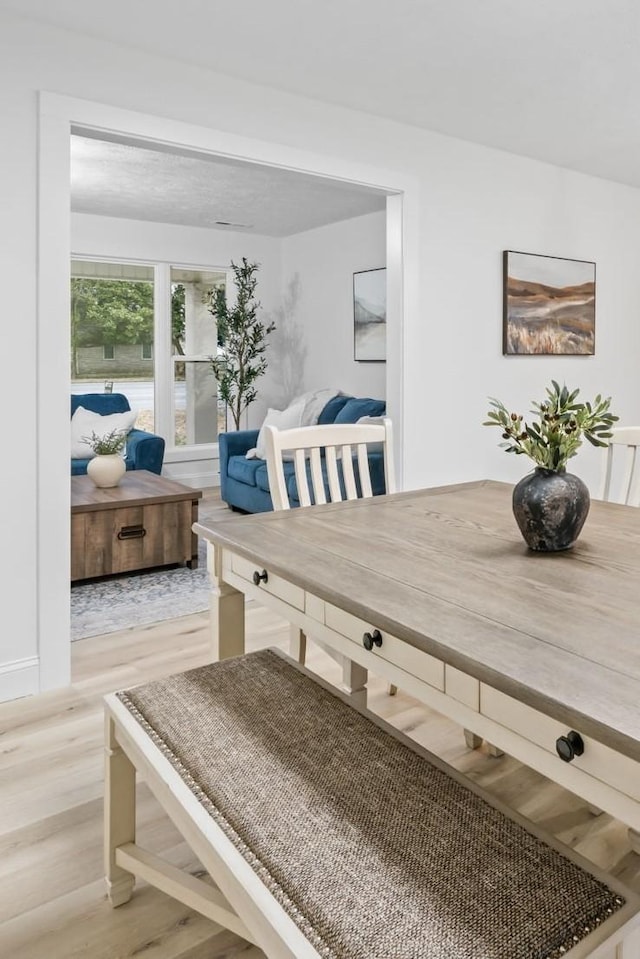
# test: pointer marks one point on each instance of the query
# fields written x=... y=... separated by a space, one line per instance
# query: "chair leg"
x=297 y=645
x=472 y=741
x=354 y=682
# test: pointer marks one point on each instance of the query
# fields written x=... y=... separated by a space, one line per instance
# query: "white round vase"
x=106 y=470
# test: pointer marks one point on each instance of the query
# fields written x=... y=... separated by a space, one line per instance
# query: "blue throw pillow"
x=354 y=408
x=332 y=408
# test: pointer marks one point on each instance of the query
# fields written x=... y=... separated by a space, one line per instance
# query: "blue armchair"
x=145 y=451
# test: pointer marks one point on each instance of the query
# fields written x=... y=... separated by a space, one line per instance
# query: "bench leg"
x=494 y=751
x=119 y=815
x=297 y=645
x=472 y=741
x=634 y=839
x=630 y=948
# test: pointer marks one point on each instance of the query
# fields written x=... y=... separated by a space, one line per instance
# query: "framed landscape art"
x=370 y=316
x=549 y=305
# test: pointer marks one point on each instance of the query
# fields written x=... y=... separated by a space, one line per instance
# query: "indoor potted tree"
x=242 y=340
x=551 y=505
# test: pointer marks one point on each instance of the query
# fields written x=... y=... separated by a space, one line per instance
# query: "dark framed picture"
x=549 y=305
x=370 y=316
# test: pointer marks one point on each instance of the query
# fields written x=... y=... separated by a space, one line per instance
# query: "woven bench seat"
x=330 y=834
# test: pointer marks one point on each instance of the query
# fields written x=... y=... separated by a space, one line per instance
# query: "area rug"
x=139 y=599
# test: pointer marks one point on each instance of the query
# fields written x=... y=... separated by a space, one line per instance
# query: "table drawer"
x=421 y=665
x=599 y=761
x=462 y=687
x=284 y=590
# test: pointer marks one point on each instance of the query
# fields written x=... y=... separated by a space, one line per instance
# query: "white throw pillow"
x=287 y=419
x=85 y=422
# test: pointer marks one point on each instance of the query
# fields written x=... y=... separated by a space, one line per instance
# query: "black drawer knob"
x=369 y=640
x=262 y=577
x=569 y=746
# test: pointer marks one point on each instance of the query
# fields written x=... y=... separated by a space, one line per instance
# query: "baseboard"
x=19 y=678
x=186 y=474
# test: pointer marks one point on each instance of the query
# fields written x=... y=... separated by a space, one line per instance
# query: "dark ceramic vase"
x=550 y=508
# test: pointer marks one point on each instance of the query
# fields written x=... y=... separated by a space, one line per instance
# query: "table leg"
x=227 y=611
x=297 y=644
x=119 y=815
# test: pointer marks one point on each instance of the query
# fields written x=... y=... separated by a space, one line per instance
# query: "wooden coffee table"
x=143 y=522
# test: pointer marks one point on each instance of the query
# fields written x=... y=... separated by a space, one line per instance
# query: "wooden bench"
x=329 y=834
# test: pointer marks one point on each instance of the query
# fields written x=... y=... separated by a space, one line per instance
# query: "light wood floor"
x=52 y=901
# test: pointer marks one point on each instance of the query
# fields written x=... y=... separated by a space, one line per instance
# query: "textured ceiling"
x=125 y=180
x=554 y=80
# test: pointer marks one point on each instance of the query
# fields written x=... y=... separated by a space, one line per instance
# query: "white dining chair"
x=620 y=480
x=331 y=464
x=338 y=445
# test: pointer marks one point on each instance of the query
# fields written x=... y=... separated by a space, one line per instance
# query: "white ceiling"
x=121 y=179
x=558 y=80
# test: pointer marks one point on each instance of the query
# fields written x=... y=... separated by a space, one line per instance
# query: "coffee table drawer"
x=597 y=760
x=425 y=667
x=131 y=538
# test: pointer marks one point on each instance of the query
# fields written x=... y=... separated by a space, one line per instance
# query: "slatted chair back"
x=621 y=458
x=335 y=445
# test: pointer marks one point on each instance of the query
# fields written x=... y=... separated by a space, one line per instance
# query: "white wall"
x=317 y=315
x=473 y=203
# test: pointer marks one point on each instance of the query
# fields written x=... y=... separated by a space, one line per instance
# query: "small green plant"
x=242 y=338
x=107 y=444
x=556 y=435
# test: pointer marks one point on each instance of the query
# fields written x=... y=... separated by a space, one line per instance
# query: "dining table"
x=536 y=653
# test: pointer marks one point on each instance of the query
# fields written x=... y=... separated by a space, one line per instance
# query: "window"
x=198 y=416
x=112 y=322
x=115 y=309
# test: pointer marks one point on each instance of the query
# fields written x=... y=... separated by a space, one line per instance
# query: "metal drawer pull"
x=260 y=577
x=132 y=532
x=369 y=640
x=569 y=746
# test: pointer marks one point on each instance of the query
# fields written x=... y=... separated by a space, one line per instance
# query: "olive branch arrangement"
x=108 y=444
x=557 y=434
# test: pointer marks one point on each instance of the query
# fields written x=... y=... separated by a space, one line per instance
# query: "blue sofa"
x=144 y=451
x=244 y=483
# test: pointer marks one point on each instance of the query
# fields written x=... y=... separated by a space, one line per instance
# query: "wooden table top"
x=136 y=488
x=447 y=571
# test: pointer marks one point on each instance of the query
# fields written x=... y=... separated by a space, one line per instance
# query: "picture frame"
x=549 y=305
x=370 y=316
